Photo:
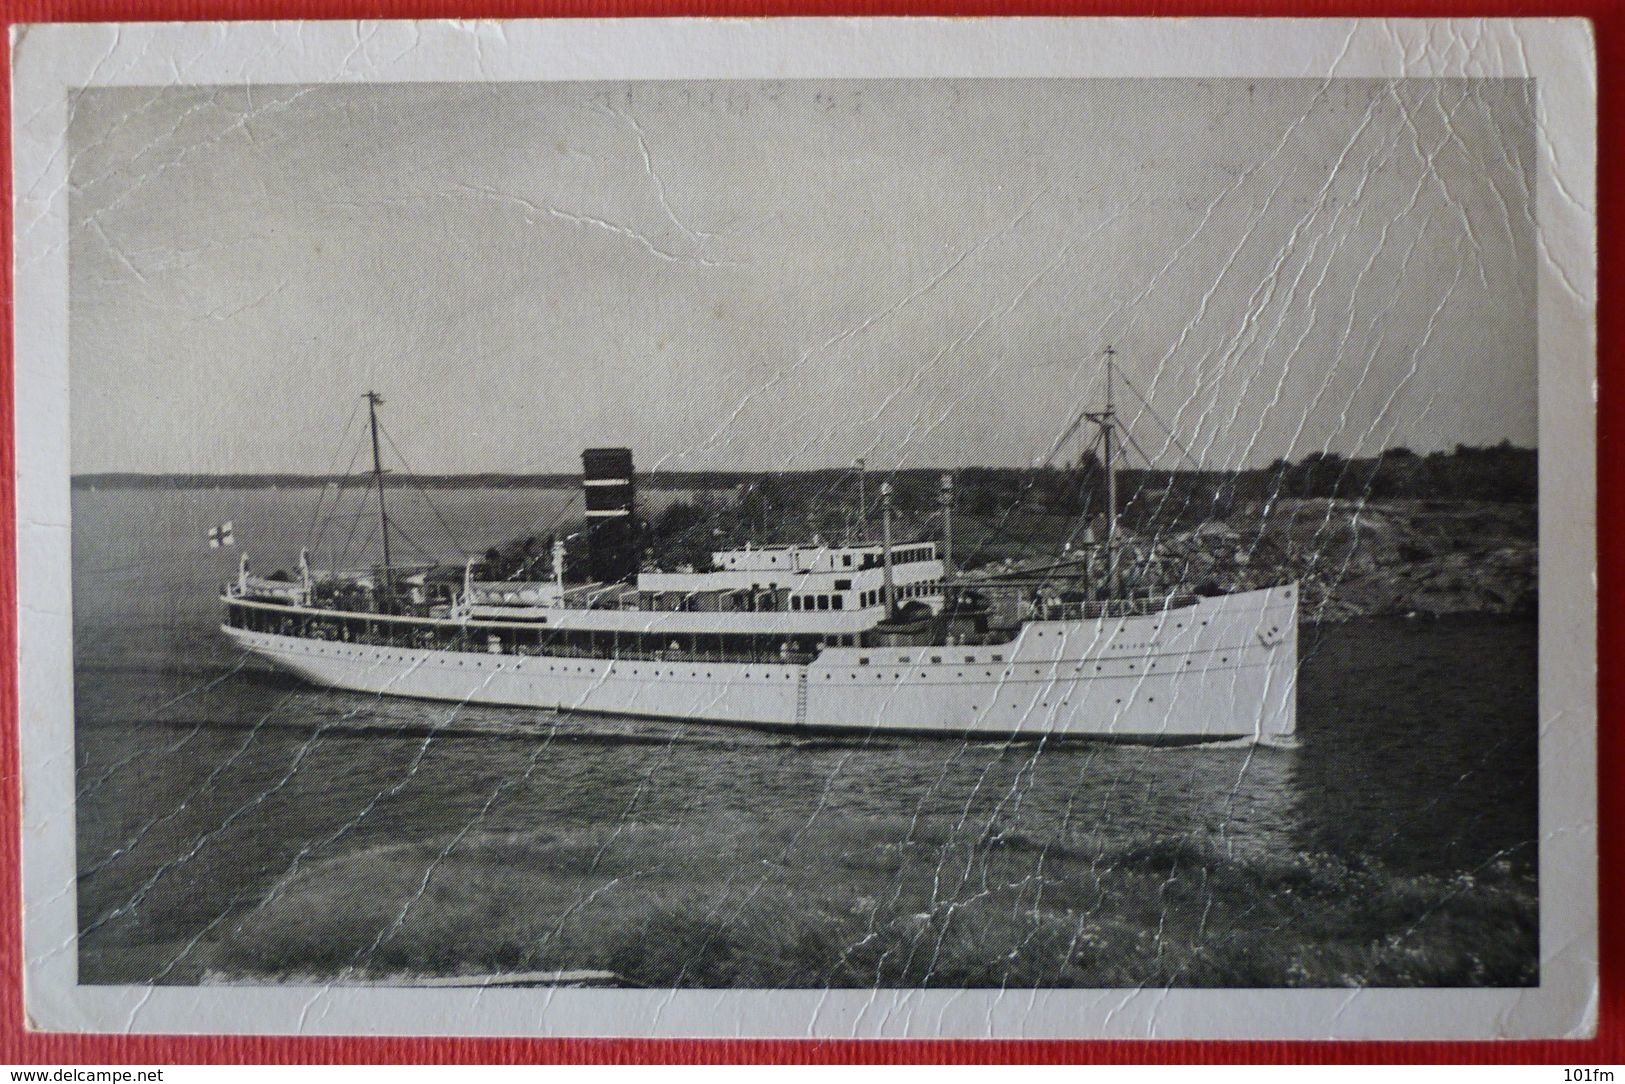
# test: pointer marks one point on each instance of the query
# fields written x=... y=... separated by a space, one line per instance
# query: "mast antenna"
x=890 y=589
x=863 y=506
x=374 y=401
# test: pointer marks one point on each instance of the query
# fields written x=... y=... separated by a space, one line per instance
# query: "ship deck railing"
x=1118 y=607
x=476 y=644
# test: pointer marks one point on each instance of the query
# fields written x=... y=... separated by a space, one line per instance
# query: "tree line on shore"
x=1499 y=472
x=800 y=506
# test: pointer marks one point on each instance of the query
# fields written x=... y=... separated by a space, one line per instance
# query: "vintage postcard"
x=809 y=528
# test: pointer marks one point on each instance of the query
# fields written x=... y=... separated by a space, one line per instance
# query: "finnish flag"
x=221 y=536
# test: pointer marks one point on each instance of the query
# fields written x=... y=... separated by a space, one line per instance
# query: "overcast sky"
x=749 y=275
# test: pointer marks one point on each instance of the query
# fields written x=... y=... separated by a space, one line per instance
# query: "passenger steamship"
x=864 y=637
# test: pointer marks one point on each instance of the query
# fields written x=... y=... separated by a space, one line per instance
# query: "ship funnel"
x=606 y=476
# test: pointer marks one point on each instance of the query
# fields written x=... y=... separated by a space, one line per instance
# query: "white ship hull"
x=1223 y=668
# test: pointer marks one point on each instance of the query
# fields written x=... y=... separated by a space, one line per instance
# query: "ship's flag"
x=221 y=536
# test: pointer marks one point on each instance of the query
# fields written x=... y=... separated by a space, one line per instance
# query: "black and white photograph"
x=933 y=534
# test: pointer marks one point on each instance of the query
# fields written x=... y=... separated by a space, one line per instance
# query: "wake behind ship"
x=863 y=636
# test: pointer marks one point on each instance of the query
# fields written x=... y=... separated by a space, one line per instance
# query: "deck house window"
x=835 y=602
x=823 y=602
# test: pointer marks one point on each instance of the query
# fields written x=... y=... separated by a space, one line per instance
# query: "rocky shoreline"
x=1375 y=558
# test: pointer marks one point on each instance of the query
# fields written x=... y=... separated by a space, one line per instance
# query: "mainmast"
x=1107 y=422
x=1108 y=431
x=374 y=401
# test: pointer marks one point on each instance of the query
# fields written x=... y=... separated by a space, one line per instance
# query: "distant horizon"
x=398 y=477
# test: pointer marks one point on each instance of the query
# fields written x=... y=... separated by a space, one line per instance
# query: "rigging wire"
x=1158 y=419
x=361 y=515
x=365 y=544
x=551 y=528
x=575 y=495
x=1000 y=531
x=1157 y=540
x=412 y=541
x=457 y=543
x=355 y=524
x=339 y=486
x=338 y=450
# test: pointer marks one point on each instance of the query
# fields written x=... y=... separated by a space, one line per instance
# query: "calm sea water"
x=205 y=779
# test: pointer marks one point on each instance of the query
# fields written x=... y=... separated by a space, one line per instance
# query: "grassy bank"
x=845 y=904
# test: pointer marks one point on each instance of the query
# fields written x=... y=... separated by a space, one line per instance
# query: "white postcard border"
x=51 y=62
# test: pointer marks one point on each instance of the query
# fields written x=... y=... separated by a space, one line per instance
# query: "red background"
x=19 y=1045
